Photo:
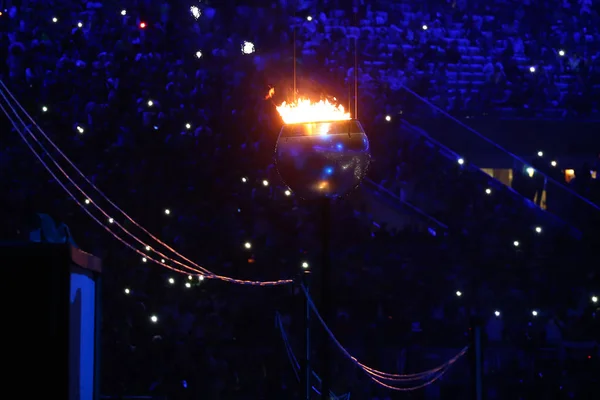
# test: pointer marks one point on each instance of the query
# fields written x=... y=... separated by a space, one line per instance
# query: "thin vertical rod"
x=355 y=78
x=477 y=358
x=326 y=296
x=356 y=64
x=307 y=364
x=294 y=63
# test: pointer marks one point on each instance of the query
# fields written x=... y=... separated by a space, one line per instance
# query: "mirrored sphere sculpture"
x=322 y=159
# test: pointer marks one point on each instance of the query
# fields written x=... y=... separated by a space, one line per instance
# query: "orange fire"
x=305 y=110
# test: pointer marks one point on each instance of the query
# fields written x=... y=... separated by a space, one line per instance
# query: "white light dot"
x=534 y=313
x=305 y=265
x=388 y=118
x=532 y=69
x=188 y=126
x=530 y=171
x=458 y=293
x=144 y=259
x=424 y=27
x=87 y=201
x=540 y=154
x=497 y=313
x=188 y=285
x=516 y=243
x=167 y=211
x=123 y=12
x=538 y=229
x=147 y=248
x=488 y=191
x=461 y=161
x=196 y=13
x=561 y=53
x=80 y=129
x=247 y=47
x=127 y=291
x=79 y=25
x=309 y=18
x=162 y=260
x=154 y=318
x=150 y=103
x=248 y=245
x=244 y=179
x=265 y=182
x=190 y=277
x=55 y=20
x=198 y=54
x=553 y=163
x=110 y=220
x=288 y=193
x=44 y=109
x=201 y=277
x=171 y=281
x=594 y=299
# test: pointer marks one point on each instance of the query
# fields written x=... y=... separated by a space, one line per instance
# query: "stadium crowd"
x=160 y=106
x=504 y=57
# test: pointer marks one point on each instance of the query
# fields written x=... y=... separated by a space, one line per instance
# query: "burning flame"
x=306 y=111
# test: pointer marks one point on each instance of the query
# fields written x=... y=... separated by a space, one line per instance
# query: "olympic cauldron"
x=324 y=158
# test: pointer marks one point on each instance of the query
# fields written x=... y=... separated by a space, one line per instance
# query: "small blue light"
x=329 y=170
x=339 y=146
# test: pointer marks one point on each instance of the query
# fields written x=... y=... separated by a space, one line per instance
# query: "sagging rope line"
x=197 y=269
x=376 y=375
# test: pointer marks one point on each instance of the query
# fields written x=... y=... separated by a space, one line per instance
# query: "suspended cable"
x=376 y=375
x=294 y=360
x=79 y=203
x=199 y=270
x=205 y=271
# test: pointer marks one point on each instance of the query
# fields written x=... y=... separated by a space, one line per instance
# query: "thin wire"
x=80 y=172
x=202 y=271
x=79 y=203
x=403 y=389
x=288 y=349
x=200 y=268
x=371 y=372
x=490 y=141
x=380 y=374
x=356 y=64
x=294 y=360
x=294 y=63
x=294 y=60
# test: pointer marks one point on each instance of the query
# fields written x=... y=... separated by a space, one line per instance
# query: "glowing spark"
x=271 y=93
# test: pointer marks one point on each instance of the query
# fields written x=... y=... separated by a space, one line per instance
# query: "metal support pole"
x=355 y=78
x=307 y=343
x=326 y=296
x=477 y=357
x=294 y=65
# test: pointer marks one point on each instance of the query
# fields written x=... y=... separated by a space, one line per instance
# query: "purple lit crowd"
x=158 y=105
x=510 y=58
